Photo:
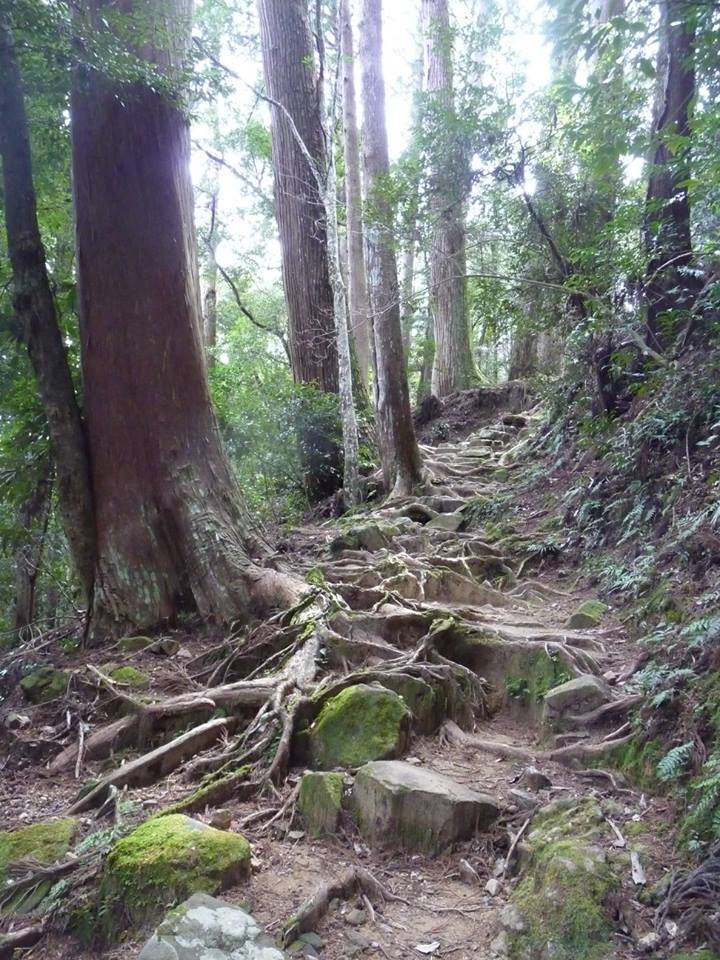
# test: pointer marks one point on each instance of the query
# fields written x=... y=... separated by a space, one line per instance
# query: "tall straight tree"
x=447 y=187
x=667 y=214
x=173 y=533
x=292 y=81
x=399 y=453
x=35 y=311
x=357 y=277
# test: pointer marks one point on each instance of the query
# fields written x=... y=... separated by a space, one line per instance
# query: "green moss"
x=134 y=644
x=588 y=614
x=128 y=675
x=213 y=791
x=44 y=684
x=320 y=801
x=638 y=760
x=423 y=701
x=359 y=724
x=45 y=842
x=562 y=898
x=161 y=863
x=541 y=673
x=702 y=954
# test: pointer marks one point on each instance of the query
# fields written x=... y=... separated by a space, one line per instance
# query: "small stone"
x=499 y=867
x=500 y=946
x=610 y=677
x=534 y=779
x=512 y=919
x=295 y=834
x=355 y=917
x=358 y=938
x=493 y=887
x=524 y=800
x=649 y=943
x=221 y=819
x=314 y=939
x=468 y=874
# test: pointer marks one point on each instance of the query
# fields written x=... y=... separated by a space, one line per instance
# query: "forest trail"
x=422 y=590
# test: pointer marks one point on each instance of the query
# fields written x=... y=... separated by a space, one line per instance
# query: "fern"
x=675 y=762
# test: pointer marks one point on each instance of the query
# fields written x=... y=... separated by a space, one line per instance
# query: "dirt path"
x=401 y=569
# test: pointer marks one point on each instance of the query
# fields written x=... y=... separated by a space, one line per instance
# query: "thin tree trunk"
x=668 y=243
x=357 y=286
x=35 y=310
x=428 y=354
x=400 y=457
x=292 y=83
x=448 y=176
x=32 y=524
x=173 y=533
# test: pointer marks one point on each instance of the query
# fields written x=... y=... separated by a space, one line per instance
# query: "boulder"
x=162 y=861
x=320 y=802
x=203 y=928
x=587 y=615
x=563 y=905
x=45 y=842
x=447 y=521
x=44 y=684
x=363 y=722
x=577 y=696
x=401 y=805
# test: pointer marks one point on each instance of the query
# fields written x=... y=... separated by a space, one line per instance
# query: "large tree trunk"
x=211 y=269
x=447 y=185
x=291 y=80
x=173 y=533
x=357 y=277
x=402 y=468
x=35 y=310
x=668 y=287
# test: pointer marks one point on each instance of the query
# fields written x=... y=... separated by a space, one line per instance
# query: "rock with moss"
x=163 y=861
x=561 y=908
x=127 y=675
x=204 y=928
x=44 y=684
x=400 y=805
x=367 y=536
x=45 y=842
x=363 y=722
x=320 y=801
x=135 y=644
x=426 y=704
x=589 y=614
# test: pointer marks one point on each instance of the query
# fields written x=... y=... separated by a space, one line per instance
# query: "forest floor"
x=442 y=908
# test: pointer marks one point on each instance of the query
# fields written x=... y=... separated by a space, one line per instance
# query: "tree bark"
x=211 y=270
x=35 y=311
x=291 y=80
x=399 y=453
x=357 y=276
x=668 y=245
x=447 y=180
x=32 y=522
x=173 y=533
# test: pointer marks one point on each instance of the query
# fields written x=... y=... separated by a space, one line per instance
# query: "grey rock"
x=524 y=800
x=355 y=917
x=204 y=928
x=500 y=946
x=447 y=521
x=221 y=819
x=533 y=779
x=493 y=887
x=512 y=919
x=583 y=693
x=649 y=943
x=314 y=939
x=400 y=805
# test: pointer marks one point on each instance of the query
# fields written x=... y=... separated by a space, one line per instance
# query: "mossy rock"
x=361 y=723
x=320 y=801
x=45 y=684
x=162 y=862
x=135 y=644
x=588 y=614
x=368 y=536
x=560 y=904
x=127 y=675
x=426 y=705
x=45 y=842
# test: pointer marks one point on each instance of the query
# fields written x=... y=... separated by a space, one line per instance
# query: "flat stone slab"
x=204 y=928
x=401 y=805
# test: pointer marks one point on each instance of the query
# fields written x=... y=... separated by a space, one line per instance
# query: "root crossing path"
x=529 y=692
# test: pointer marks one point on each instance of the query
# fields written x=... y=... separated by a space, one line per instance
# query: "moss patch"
x=128 y=675
x=320 y=802
x=562 y=897
x=588 y=614
x=44 y=684
x=162 y=862
x=45 y=842
x=214 y=790
x=134 y=644
x=638 y=760
x=361 y=723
